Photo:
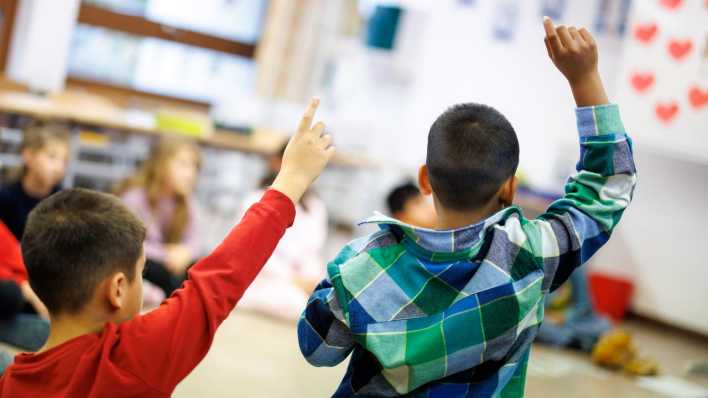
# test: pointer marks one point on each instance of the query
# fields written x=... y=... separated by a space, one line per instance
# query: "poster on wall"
x=663 y=87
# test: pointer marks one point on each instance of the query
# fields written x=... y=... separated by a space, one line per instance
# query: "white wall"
x=665 y=231
x=660 y=241
x=458 y=61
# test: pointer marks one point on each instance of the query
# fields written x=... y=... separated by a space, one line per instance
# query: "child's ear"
x=117 y=290
x=508 y=191
x=424 y=181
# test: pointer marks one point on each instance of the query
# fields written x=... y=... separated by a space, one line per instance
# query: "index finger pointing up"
x=306 y=121
x=548 y=26
x=553 y=40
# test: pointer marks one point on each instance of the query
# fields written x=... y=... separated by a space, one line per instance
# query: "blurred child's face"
x=418 y=211
x=182 y=174
x=47 y=165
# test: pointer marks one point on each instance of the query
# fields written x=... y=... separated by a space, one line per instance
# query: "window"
x=195 y=49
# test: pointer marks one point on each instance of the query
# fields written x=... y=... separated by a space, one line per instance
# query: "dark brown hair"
x=73 y=240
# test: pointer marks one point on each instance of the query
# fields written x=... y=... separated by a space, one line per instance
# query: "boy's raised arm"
x=574 y=52
x=577 y=225
x=163 y=346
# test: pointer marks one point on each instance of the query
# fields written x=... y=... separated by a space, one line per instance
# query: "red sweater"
x=11 y=265
x=148 y=355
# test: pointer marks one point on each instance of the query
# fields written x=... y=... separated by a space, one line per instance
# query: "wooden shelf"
x=98 y=111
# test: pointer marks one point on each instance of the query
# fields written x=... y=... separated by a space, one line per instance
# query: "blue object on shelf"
x=505 y=20
x=554 y=9
x=382 y=27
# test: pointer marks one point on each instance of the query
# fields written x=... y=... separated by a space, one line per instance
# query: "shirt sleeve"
x=163 y=346
x=574 y=227
x=323 y=335
x=12 y=266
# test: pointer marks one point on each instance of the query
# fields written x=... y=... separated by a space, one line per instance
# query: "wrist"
x=291 y=184
x=589 y=90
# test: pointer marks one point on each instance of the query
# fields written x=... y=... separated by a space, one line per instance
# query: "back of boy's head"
x=75 y=239
x=400 y=195
x=472 y=150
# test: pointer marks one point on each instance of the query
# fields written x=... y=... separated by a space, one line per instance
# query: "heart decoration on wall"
x=697 y=97
x=645 y=33
x=642 y=82
x=679 y=49
x=664 y=71
x=666 y=112
x=672 y=4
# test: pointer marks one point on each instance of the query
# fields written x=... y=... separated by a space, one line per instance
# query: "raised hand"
x=306 y=155
x=575 y=54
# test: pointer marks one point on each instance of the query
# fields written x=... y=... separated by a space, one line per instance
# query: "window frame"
x=9 y=10
x=136 y=25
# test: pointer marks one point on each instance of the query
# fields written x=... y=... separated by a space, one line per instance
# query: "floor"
x=254 y=356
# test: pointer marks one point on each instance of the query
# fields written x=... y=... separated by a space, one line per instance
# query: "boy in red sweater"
x=84 y=255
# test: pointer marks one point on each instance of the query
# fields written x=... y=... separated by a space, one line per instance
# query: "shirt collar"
x=454 y=243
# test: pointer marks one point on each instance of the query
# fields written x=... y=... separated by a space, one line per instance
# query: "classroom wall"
x=660 y=240
x=456 y=60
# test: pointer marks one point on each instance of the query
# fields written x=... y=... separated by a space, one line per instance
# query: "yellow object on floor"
x=616 y=350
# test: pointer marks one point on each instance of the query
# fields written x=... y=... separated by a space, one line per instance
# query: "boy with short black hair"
x=84 y=255
x=452 y=312
x=407 y=204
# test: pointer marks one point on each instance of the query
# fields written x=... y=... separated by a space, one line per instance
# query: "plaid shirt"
x=453 y=313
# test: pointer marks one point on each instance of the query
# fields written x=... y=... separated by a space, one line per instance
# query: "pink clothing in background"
x=156 y=222
x=297 y=256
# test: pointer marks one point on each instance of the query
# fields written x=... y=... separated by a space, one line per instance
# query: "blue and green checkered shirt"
x=427 y=313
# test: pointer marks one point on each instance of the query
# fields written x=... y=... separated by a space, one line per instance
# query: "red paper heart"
x=645 y=33
x=642 y=81
x=671 y=4
x=680 y=48
x=698 y=97
x=667 y=112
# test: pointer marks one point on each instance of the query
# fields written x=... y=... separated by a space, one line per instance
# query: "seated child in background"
x=161 y=193
x=452 y=312
x=297 y=264
x=23 y=317
x=45 y=153
x=572 y=322
x=408 y=205
x=84 y=255
x=577 y=326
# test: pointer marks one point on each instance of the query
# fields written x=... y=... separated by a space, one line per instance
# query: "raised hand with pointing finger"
x=306 y=155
